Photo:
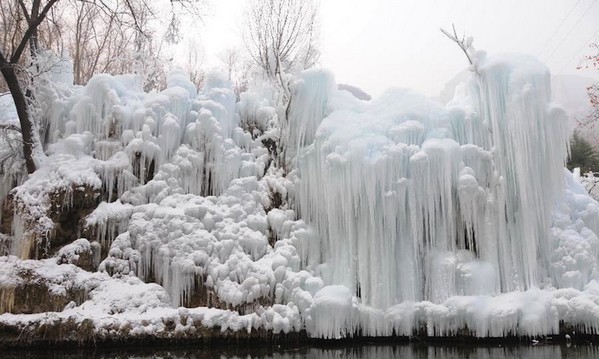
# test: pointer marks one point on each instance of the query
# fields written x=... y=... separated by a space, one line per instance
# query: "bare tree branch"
x=276 y=38
x=463 y=43
x=24 y=9
x=33 y=24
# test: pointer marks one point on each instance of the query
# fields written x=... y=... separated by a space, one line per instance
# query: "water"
x=362 y=351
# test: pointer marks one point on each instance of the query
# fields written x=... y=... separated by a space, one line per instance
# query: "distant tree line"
x=119 y=36
x=100 y=35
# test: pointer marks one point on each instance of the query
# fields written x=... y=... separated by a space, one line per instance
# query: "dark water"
x=363 y=351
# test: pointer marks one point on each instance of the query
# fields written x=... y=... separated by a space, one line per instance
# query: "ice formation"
x=443 y=202
x=382 y=217
x=412 y=202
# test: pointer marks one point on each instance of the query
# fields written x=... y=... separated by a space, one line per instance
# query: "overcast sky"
x=376 y=44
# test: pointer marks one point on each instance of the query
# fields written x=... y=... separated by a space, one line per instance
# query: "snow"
x=332 y=313
x=222 y=239
x=125 y=301
x=109 y=219
x=381 y=217
x=62 y=174
x=71 y=253
x=59 y=277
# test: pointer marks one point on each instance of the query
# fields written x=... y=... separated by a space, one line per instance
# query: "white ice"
x=395 y=215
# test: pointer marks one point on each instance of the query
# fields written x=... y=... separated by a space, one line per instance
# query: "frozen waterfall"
x=331 y=214
x=415 y=202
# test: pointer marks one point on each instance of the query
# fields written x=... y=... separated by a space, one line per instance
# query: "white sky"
x=376 y=44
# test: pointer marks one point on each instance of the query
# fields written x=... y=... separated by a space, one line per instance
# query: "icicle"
x=413 y=202
x=218 y=97
x=308 y=108
x=7 y=299
x=21 y=244
x=109 y=220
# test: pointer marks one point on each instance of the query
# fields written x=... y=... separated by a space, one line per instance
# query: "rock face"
x=37 y=297
x=52 y=221
x=28 y=287
x=5 y=241
x=68 y=217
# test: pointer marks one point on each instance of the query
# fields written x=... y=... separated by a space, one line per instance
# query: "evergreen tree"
x=582 y=154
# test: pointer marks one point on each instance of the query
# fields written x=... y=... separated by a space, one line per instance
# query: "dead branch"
x=464 y=43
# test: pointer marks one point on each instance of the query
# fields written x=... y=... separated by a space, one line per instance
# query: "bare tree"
x=591 y=62
x=237 y=68
x=28 y=19
x=101 y=41
x=230 y=58
x=194 y=63
x=280 y=36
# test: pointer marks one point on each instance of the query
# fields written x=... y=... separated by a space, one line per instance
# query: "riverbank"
x=68 y=334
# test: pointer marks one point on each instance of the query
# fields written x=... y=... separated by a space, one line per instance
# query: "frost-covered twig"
x=465 y=43
x=9 y=127
x=11 y=144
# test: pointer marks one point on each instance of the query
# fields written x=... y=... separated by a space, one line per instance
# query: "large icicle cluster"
x=135 y=133
x=416 y=202
x=109 y=135
x=221 y=243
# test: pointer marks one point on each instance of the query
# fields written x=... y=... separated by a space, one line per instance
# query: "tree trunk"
x=27 y=128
